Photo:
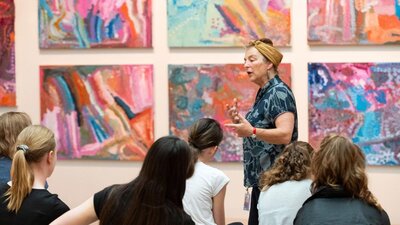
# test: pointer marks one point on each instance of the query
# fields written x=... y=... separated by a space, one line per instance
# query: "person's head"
x=157 y=190
x=204 y=136
x=168 y=164
x=261 y=60
x=292 y=164
x=340 y=163
x=11 y=124
x=35 y=148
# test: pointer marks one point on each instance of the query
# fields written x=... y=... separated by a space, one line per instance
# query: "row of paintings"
x=194 y=23
x=106 y=112
x=214 y=23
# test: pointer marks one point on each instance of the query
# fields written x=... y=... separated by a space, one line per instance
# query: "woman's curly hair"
x=292 y=164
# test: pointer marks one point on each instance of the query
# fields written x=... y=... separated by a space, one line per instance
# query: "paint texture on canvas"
x=201 y=23
x=99 y=112
x=95 y=24
x=198 y=91
x=7 y=53
x=353 y=22
x=360 y=101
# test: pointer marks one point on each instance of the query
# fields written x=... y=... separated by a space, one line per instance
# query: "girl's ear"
x=214 y=150
x=51 y=157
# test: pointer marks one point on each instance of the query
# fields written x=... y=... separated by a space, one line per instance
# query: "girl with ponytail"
x=25 y=200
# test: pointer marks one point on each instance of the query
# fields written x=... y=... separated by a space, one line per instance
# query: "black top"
x=175 y=217
x=336 y=206
x=40 y=207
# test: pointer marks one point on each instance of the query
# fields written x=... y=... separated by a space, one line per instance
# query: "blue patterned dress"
x=274 y=99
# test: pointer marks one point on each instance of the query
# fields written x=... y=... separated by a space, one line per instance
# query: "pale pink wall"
x=75 y=181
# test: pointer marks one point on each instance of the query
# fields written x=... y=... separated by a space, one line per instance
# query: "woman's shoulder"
x=48 y=199
x=305 y=183
x=210 y=170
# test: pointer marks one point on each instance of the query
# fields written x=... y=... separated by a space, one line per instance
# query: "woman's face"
x=256 y=66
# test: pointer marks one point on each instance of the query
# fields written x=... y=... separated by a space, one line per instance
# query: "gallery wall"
x=76 y=180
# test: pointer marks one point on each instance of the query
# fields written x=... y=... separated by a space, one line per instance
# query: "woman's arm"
x=282 y=134
x=83 y=214
x=219 y=207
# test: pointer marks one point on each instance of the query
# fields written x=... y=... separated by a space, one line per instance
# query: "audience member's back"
x=25 y=200
x=205 y=190
x=40 y=207
x=286 y=185
x=152 y=198
x=340 y=188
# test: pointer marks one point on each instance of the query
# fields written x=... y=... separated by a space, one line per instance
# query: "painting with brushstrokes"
x=347 y=22
x=7 y=53
x=95 y=24
x=360 y=101
x=203 y=90
x=99 y=112
x=213 y=23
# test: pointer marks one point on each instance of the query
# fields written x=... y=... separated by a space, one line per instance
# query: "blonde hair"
x=32 y=143
x=11 y=124
x=292 y=164
x=341 y=163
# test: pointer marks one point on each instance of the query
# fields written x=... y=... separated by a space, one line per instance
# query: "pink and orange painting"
x=203 y=90
x=200 y=23
x=7 y=53
x=99 y=112
x=95 y=24
x=360 y=101
x=353 y=22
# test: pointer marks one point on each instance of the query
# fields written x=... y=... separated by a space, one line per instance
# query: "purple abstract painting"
x=360 y=101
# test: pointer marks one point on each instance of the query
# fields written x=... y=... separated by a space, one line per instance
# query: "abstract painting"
x=203 y=90
x=95 y=24
x=213 y=23
x=349 y=22
x=99 y=112
x=7 y=53
x=360 y=101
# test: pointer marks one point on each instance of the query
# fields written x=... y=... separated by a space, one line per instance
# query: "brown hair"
x=11 y=124
x=341 y=163
x=32 y=144
x=292 y=164
x=205 y=133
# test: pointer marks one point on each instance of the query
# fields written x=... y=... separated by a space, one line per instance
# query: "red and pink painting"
x=95 y=24
x=349 y=22
x=99 y=112
x=7 y=53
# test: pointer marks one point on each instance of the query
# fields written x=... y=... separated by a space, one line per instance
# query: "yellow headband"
x=269 y=52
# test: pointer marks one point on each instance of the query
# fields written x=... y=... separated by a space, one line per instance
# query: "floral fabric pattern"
x=274 y=99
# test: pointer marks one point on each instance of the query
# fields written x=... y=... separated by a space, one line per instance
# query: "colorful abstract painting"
x=7 y=53
x=213 y=23
x=95 y=24
x=353 y=22
x=198 y=91
x=361 y=101
x=99 y=112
